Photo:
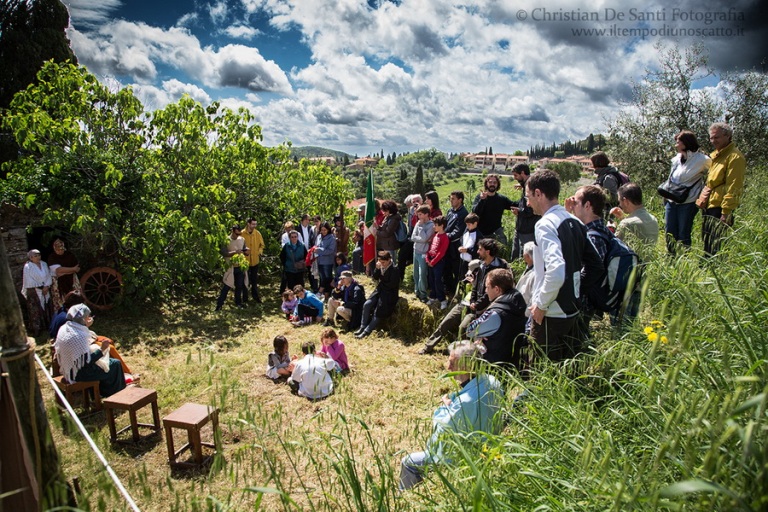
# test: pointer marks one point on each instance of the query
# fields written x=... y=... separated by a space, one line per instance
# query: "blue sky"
x=361 y=76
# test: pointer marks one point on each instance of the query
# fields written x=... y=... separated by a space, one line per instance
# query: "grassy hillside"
x=669 y=414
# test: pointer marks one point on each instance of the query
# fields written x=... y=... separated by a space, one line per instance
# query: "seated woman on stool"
x=80 y=361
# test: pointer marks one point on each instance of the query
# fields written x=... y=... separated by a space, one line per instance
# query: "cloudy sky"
x=403 y=75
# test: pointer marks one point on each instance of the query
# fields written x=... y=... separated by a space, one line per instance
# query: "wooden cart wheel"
x=101 y=286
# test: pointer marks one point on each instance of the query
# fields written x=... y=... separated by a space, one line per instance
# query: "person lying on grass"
x=311 y=375
x=471 y=409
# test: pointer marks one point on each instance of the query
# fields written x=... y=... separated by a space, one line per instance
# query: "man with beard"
x=526 y=219
x=490 y=206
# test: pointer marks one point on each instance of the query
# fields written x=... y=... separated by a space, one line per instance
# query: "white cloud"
x=409 y=74
x=218 y=12
x=136 y=49
x=91 y=13
x=153 y=97
x=240 y=31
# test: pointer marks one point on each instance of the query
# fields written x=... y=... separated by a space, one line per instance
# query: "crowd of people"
x=569 y=248
x=569 y=251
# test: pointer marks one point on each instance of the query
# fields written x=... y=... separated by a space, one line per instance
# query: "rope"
x=87 y=437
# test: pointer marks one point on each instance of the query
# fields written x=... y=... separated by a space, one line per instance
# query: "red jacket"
x=437 y=249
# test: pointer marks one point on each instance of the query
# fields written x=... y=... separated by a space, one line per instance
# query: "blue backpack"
x=401 y=233
x=622 y=265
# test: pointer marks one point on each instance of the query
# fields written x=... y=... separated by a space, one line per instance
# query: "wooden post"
x=18 y=361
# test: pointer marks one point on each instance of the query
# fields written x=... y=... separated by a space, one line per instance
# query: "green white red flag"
x=369 y=240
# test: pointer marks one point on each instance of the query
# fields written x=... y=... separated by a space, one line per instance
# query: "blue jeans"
x=420 y=279
x=435 y=275
x=679 y=223
x=326 y=276
x=412 y=469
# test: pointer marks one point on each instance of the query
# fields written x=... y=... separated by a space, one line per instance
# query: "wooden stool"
x=131 y=399
x=80 y=387
x=191 y=417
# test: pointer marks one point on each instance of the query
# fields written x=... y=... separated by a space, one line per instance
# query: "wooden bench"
x=192 y=418
x=131 y=399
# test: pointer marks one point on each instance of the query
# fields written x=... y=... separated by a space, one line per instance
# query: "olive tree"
x=641 y=137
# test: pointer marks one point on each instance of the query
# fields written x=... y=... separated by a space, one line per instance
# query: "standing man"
x=490 y=206
x=307 y=237
x=526 y=219
x=725 y=182
x=306 y=233
x=455 y=230
x=255 y=242
x=562 y=249
x=235 y=276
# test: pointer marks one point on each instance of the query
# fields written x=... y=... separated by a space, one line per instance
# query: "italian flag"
x=369 y=240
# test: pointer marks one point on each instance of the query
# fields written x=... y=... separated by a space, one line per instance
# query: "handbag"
x=298 y=264
x=674 y=191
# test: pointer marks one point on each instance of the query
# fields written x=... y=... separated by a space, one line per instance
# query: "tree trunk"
x=27 y=400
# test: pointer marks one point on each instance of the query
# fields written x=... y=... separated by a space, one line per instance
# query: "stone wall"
x=13 y=229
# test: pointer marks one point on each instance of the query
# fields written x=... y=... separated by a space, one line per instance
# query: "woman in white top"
x=689 y=168
x=36 y=288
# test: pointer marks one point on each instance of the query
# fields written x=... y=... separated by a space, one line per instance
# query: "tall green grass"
x=668 y=414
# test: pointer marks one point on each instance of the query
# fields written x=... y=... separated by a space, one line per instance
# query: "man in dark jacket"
x=526 y=219
x=502 y=326
x=454 y=229
x=346 y=301
x=381 y=304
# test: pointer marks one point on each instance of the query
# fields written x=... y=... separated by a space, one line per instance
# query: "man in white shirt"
x=562 y=250
x=311 y=375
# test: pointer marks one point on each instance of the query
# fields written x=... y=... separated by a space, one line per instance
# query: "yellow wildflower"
x=664 y=339
x=648 y=330
x=653 y=336
x=657 y=324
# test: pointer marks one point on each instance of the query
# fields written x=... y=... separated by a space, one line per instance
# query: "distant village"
x=498 y=162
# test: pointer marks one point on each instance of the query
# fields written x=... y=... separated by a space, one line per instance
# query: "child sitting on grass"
x=311 y=375
x=279 y=362
x=289 y=303
x=333 y=348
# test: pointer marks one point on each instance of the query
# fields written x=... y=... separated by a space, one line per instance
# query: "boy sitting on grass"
x=311 y=376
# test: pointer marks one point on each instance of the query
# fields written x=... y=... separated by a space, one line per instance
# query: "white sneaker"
x=431 y=302
x=444 y=304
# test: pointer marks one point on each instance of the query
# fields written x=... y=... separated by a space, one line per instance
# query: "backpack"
x=401 y=233
x=621 y=177
x=621 y=264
